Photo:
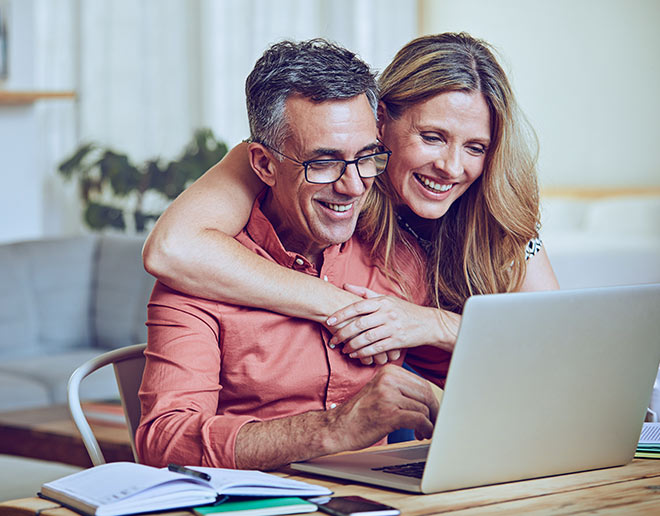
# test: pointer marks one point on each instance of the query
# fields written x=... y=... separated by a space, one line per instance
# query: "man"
x=238 y=387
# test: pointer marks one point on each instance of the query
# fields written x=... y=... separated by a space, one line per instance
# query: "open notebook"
x=540 y=384
x=120 y=488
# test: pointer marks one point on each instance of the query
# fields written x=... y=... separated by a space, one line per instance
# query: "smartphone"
x=356 y=506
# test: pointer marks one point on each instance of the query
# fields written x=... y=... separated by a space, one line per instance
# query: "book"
x=648 y=446
x=258 y=506
x=128 y=488
x=108 y=412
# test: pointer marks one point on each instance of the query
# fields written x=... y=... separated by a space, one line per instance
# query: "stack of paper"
x=649 y=442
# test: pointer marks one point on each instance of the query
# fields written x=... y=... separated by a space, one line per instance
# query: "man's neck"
x=291 y=240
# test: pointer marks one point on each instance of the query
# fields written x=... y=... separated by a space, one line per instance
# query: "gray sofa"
x=63 y=301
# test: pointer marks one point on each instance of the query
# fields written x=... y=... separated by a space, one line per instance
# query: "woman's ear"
x=382 y=119
x=262 y=163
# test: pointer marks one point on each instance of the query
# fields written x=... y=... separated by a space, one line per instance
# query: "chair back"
x=128 y=363
x=128 y=372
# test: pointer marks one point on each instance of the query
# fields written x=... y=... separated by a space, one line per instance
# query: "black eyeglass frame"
x=355 y=161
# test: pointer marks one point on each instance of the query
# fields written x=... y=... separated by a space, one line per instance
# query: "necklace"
x=425 y=244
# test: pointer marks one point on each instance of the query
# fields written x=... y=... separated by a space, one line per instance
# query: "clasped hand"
x=378 y=327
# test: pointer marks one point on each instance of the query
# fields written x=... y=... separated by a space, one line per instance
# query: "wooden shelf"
x=16 y=98
x=599 y=193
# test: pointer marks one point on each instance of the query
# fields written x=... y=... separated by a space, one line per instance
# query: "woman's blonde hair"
x=478 y=246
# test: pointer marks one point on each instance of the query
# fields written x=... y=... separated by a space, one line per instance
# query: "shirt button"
x=325 y=278
x=333 y=405
x=299 y=261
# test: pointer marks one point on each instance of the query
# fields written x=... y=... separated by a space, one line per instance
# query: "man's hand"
x=393 y=399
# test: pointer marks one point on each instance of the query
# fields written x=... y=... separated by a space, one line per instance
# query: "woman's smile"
x=431 y=184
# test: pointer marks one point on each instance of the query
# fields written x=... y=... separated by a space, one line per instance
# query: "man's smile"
x=337 y=207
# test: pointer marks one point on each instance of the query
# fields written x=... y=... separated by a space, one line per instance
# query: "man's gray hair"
x=316 y=69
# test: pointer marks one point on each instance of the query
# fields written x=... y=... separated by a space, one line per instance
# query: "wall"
x=18 y=125
x=35 y=137
x=587 y=75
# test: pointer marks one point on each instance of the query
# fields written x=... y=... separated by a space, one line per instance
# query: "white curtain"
x=236 y=32
x=151 y=71
x=55 y=62
x=137 y=74
x=147 y=73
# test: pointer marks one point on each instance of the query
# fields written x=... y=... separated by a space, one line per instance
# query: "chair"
x=128 y=363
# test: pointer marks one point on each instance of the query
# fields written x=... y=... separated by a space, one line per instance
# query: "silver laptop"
x=540 y=384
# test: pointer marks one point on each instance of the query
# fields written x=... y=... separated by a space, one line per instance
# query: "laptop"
x=540 y=383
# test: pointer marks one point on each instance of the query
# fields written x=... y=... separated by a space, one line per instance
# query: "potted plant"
x=113 y=189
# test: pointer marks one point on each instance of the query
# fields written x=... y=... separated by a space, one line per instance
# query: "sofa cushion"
x=561 y=215
x=60 y=277
x=595 y=242
x=18 y=314
x=638 y=215
x=18 y=392
x=122 y=291
x=593 y=262
x=53 y=372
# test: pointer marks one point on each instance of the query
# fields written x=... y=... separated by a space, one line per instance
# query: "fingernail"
x=331 y=321
x=353 y=355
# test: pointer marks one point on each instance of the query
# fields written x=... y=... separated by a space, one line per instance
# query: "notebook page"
x=258 y=483
x=111 y=482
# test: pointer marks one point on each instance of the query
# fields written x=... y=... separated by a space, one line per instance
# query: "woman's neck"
x=423 y=228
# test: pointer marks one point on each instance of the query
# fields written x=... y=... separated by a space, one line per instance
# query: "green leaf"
x=122 y=175
x=176 y=179
x=156 y=176
x=75 y=162
x=141 y=219
x=100 y=216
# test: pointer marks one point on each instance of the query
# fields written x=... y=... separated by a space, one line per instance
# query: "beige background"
x=587 y=74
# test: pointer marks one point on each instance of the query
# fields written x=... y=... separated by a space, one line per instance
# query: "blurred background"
x=139 y=77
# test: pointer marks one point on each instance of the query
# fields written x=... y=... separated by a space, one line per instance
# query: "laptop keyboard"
x=411 y=469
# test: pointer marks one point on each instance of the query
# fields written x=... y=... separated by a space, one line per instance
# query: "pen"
x=190 y=472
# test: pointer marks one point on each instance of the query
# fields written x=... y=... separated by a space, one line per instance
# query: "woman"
x=461 y=181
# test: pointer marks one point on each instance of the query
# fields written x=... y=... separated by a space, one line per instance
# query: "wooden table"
x=626 y=490
x=49 y=433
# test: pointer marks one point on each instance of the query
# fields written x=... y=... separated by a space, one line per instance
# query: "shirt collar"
x=261 y=231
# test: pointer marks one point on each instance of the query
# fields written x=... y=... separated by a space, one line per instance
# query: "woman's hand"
x=378 y=327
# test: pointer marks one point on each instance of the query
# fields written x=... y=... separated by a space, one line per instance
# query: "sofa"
x=64 y=301
x=600 y=239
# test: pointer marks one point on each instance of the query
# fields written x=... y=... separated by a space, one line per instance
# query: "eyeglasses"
x=325 y=171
